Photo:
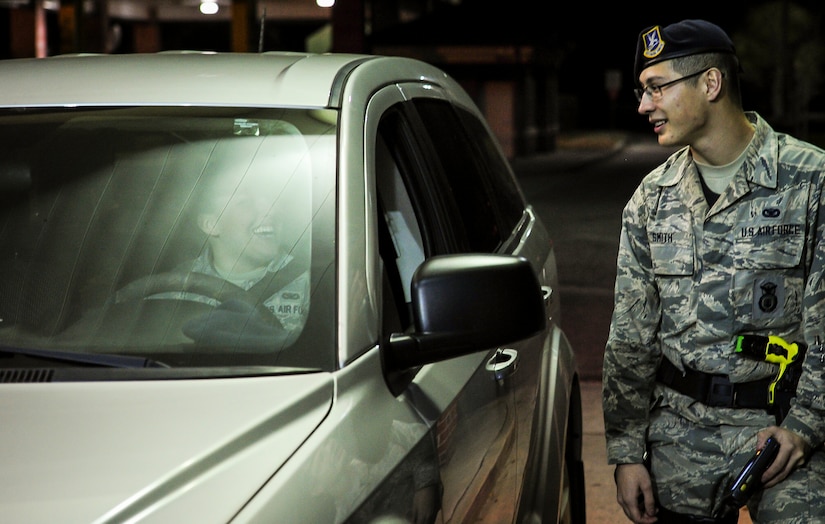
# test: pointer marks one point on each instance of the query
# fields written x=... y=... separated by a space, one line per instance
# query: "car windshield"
x=189 y=236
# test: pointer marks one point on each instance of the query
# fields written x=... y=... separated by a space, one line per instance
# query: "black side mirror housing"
x=467 y=303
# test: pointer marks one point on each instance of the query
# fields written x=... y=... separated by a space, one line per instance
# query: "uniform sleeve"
x=807 y=415
x=632 y=351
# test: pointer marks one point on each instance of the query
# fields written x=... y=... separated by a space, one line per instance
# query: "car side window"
x=415 y=220
x=442 y=186
x=401 y=242
x=478 y=179
x=398 y=219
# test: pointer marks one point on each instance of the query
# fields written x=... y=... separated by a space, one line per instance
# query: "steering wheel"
x=179 y=282
x=208 y=286
x=239 y=318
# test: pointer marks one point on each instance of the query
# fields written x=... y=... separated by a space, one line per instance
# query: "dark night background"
x=780 y=43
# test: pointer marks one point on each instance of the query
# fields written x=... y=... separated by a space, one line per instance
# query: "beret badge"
x=653 y=44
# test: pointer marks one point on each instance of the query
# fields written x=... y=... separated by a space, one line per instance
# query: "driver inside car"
x=245 y=283
x=251 y=206
x=255 y=216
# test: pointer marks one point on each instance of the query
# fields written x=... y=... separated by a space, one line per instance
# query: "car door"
x=438 y=193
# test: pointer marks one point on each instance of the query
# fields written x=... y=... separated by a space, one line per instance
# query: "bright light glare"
x=325 y=3
x=209 y=8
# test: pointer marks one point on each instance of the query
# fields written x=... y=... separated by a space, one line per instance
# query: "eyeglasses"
x=655 y=91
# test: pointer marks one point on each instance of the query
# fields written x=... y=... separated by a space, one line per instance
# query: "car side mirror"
x=467 y=303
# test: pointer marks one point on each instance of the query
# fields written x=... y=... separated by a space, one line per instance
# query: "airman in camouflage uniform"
x=699 y=264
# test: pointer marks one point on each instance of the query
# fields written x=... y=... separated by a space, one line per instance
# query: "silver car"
x=272 y=287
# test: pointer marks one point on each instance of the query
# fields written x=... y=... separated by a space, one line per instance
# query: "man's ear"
x=207 y=222
x=713 y=83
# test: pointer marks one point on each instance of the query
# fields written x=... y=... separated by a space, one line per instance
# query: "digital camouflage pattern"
x=690 y=279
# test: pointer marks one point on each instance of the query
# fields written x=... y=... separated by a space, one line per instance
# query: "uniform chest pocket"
x=770 y=237
x=671 y=251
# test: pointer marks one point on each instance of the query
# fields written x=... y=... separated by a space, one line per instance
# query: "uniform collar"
x=760 y=165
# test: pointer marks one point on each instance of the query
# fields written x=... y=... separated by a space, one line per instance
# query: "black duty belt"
x=669 y=517
x=714 y=390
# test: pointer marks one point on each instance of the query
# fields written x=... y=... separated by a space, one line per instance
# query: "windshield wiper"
x=95 y=359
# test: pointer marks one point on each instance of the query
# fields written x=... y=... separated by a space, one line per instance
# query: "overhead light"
x=209 y=7
x=325 y=3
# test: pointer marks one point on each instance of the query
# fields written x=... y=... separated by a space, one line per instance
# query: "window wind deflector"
x=94 y=359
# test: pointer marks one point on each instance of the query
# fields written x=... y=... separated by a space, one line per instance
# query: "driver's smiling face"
x=242 y=222
x=254 y=200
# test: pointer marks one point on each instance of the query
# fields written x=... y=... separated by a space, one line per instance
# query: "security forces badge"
x=653 y=43
x=768 y=297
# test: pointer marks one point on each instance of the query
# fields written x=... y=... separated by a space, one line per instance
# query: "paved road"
x=579 y=192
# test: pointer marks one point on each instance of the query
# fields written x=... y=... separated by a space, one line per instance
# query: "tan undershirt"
x=717 y=178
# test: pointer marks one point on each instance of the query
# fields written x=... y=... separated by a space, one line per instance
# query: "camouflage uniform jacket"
x=691 y=278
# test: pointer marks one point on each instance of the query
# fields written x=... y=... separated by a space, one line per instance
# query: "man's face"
x=678 y=115
x=243 y=222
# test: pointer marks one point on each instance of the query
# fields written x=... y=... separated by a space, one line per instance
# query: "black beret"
x=688 y=37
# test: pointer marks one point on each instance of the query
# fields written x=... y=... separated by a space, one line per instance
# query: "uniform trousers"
x=696 y=451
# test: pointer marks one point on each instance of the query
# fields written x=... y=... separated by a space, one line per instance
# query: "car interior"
x=92 y=203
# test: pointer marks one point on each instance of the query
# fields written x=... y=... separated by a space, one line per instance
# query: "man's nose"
x=266 y=209
x=645 y=105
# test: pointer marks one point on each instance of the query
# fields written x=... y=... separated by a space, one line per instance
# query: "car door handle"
x=547 y=294
x=503 y=364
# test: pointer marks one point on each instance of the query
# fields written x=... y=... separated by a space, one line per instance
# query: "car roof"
x=194 y=78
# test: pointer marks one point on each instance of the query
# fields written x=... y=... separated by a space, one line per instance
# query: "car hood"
x=86 y=452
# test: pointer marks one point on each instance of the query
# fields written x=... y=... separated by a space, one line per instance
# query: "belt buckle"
x=721 y=392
